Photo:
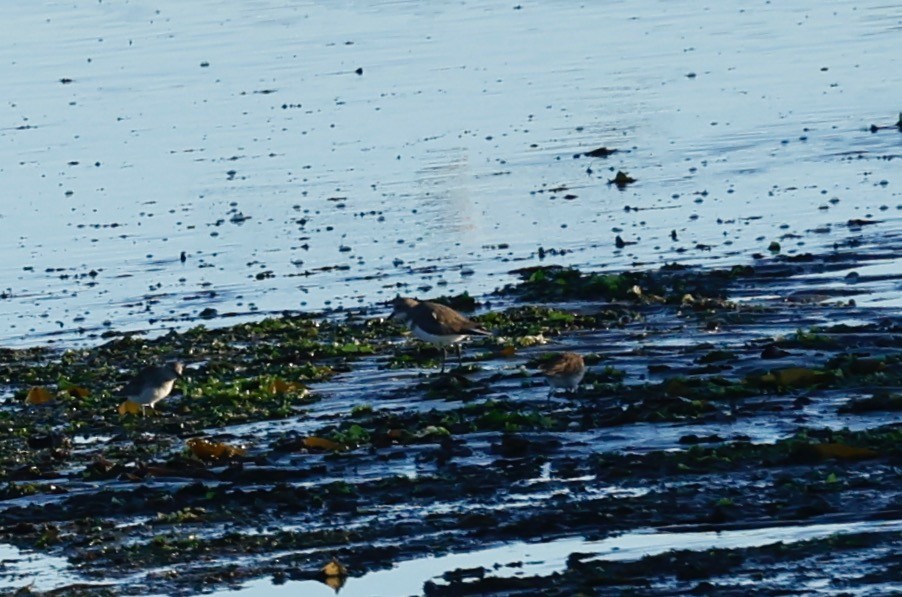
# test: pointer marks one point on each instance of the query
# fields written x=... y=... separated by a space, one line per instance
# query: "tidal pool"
x=39 y=572
x=526 y=559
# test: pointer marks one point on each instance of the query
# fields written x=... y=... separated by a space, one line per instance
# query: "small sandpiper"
x=563 y=370
x=436 y=324
x=153 y=384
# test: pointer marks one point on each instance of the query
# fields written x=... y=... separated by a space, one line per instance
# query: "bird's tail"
x=479 y=332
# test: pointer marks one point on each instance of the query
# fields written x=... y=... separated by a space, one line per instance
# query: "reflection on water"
x=241 y=135
x=528 y=559
x=36 y=571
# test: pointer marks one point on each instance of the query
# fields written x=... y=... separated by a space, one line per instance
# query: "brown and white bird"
x=153 y=384
x=436 y=324
x=563 y=370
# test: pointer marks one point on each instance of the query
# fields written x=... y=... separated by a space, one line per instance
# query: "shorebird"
x=436 y=324
x=153 y=384
x=563 y=370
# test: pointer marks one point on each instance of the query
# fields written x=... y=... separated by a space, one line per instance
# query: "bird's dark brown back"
x=440 y=320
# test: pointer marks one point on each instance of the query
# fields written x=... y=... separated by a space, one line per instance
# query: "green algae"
x=270 y=370
x=536 y=320
x=879 y=402
x=806 y=447
x=812 y=339
x=670 y=284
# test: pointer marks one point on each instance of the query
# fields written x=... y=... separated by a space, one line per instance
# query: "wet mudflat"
x=188 y=180
x=737 y=428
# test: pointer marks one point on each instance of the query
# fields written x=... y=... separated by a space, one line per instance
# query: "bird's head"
x=401 y=307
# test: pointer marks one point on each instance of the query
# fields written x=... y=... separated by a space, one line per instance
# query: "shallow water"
x=37 y=571
x=240 y=134
x=525 y=559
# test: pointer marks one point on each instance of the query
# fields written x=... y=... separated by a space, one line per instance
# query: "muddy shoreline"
x=756 y=398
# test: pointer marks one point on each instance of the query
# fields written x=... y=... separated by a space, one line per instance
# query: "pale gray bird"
x=153 y=384
x=564 y=370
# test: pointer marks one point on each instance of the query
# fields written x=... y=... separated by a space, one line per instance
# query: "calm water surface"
x=242 y=135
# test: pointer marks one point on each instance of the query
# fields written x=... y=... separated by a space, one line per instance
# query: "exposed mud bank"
x=758 y=397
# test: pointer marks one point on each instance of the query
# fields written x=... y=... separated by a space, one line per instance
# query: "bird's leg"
x=459 y=362
x=443 y=360
x=571 y=396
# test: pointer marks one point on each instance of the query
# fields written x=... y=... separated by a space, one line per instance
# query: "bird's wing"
x=438 y=321
x=138 y=382
x=561 y=364
x=468 y=326
x=441 y=320
x=478 y=329
x=551 y=366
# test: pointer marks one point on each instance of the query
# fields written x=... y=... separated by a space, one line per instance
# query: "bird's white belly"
x=439 y=340
x=153 y=395
x=568 y=382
